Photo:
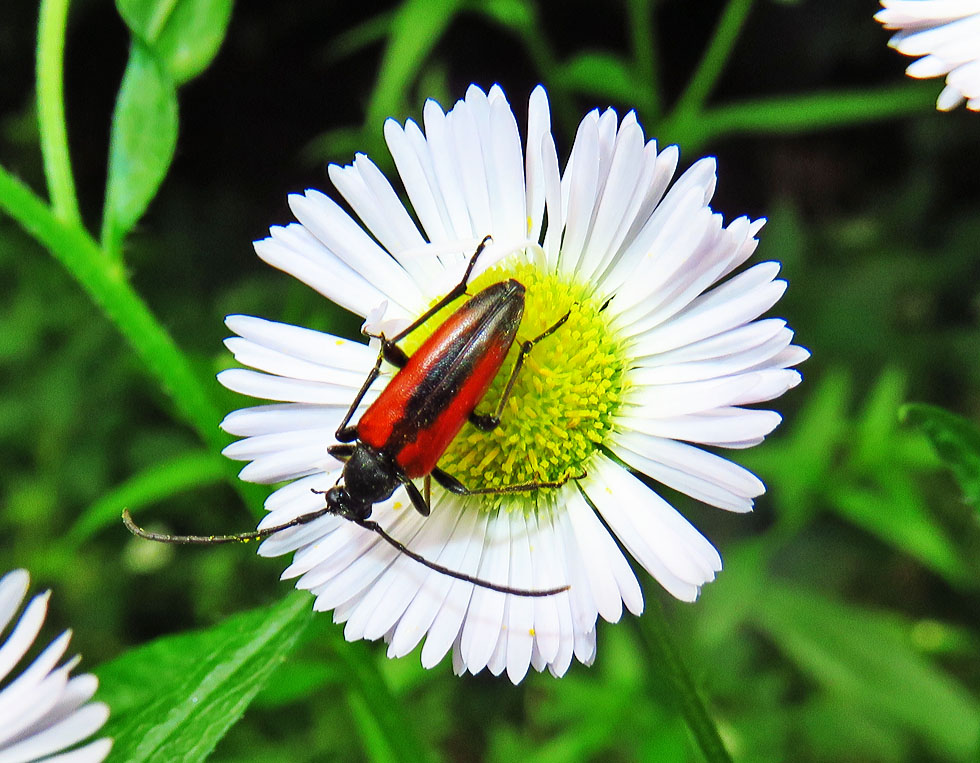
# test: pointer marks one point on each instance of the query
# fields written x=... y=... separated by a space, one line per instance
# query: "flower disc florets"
x=564 y=399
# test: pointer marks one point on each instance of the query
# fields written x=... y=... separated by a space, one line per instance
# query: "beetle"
x=405 y=431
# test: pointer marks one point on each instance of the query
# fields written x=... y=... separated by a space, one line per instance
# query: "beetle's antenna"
x=367 y=524
x=214 y=540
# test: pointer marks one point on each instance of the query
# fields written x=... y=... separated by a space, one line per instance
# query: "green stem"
x=797 y=114
x=663 y=653
x=51 y=28
x=715 y=57
x=639 y=17
x=106 y=284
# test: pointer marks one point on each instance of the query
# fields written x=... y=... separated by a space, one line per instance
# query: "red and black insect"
x=405 y=431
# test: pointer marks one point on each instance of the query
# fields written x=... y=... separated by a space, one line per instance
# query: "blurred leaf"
x=876 y=423
x=350 y=41
x=141 y=147
x=867 y=659
x=956 y=440
x=837 y=730
x=878 y=494
x=417 y=27
x=796 y=464
x=895 y=512
x=174 y=699
x=799 y=113
x=295 y=680
x=184 y=35
x=335 y=145
x=600 y=74
x=381 y=722
x=181 y=472
x=192 y=36
x=588 y=713
x=516 y=14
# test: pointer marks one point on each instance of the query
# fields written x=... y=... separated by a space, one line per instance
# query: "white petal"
x=668 y=547
x=305 y=344
x=449 y=620
x=294 y=250
x=484 y=619
x=72 y=729
x=29 y=625
x=268 y=387
x=547 y=574
x=583 y=188
x=538 y=125
x=388 y=601
x=277 y=418
x=443 y=151
x=716 y=427
x=322 y=217
x=520 y=609
x=411 y=156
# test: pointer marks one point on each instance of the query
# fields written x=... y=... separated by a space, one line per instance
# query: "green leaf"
x=415 y=30
x=515 y=14
x=895 y=512
x=142 y=143
x=600 y=74
x=182 y=472
x=956 y=440
x=797 y=464
x=184 y=35
x=176 y=697
x=876 y=422
x=192 y=36
x=868 y=660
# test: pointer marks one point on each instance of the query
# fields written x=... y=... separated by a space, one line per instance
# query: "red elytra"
x=423 y=408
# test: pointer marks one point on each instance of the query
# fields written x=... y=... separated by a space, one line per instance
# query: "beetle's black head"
x=340 y=502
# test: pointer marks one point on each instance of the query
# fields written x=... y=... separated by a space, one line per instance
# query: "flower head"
x=43 y=711
x=946 y=33
x=659 y=356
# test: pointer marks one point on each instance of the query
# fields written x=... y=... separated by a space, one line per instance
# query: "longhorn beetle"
x=405 y=431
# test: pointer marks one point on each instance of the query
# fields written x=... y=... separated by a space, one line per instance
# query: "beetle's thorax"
x=370 y=476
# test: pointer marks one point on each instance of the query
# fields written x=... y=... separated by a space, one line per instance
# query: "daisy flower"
x=659 y=356
x=946 y=33
x=43 y=711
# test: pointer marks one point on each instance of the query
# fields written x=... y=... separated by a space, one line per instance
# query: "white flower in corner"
x=44 y=712
x=946 y=34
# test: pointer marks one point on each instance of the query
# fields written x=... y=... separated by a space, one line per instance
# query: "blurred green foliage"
x=845 y=625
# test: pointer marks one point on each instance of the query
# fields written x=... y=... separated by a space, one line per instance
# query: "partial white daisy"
x=660 y=356
x=946 y=33
x=43 y=711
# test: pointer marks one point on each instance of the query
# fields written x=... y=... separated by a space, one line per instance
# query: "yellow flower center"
x=564 y=399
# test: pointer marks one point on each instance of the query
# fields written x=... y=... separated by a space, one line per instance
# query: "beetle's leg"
x=341 y=452
x=427 y=489
x=457 y=291
x=488 y=422
x=418 y=500
x=453 y=485
x=394 y=354
x=347 y=433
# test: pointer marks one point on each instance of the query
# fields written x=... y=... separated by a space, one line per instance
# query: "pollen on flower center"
x=563 y=401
